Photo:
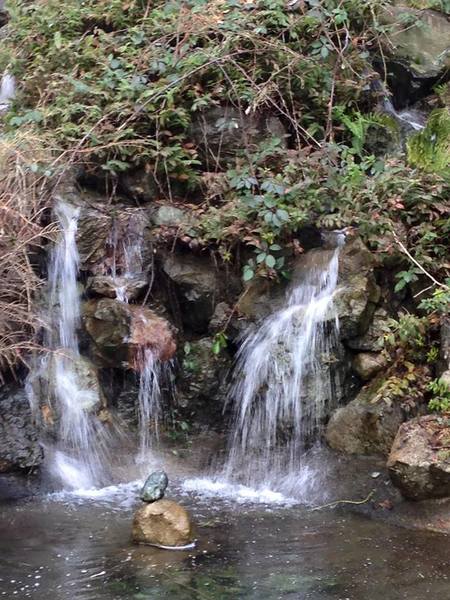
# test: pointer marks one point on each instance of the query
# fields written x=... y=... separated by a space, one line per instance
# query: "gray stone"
x=419 y=462
x=19 y=446
x=155 y=486
x=367 y=425
x=419 y=52
x=197 y=286
x=373 y=338
x=171 y=216
x=357 y=293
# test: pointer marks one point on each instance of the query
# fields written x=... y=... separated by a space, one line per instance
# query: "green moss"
x=430 y=149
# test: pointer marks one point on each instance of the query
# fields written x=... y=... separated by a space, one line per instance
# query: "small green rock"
x=154 y=487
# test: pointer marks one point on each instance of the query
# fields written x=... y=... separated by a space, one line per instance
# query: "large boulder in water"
x=368 y=424
x=162 y=523
x=19 y=447
x=154 y=487
x=419 y=462
x=121 y=331
x=419 y=51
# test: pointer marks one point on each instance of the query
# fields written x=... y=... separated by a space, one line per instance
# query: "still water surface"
x=77 y=547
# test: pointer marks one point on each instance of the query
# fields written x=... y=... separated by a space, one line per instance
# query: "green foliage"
x=125 y=78
x=430 y=149
x=439 y=302
x=220 y=342
x=119 y=83
x=408 y=334
x=441 y=396
x=359 y=125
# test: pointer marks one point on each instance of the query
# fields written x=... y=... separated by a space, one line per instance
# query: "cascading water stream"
x=283 y=384
x=79 y=457
x=126 y=271
x=7 y=91
x=126 y=268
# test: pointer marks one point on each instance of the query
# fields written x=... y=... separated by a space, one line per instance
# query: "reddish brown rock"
x=121 y=331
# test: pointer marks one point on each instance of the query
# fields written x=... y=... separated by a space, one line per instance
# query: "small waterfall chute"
x=127 y=277
x=67 y=381
x=284 y=384
x=7 y=91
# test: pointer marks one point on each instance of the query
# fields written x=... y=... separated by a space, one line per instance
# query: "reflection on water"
x=77 y=547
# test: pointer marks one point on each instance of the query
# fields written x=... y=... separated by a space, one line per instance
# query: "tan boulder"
x=162 y=523
x=419 y=462
x=368 y=364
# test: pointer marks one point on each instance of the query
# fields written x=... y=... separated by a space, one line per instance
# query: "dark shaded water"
x=72 y=548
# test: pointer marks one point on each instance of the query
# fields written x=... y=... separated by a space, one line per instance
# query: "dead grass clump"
x=24 y=196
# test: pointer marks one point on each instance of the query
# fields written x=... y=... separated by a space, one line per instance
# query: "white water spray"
x=126 y=272
x=126 y=269
x=79 y=456
x=283 y=385
x=7 y=91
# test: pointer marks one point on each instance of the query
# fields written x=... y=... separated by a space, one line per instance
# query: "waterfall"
x=7 y=91
x=126 y=272
x=78 y=457
x=127 y=262
x=149 y=401
x=283 y=384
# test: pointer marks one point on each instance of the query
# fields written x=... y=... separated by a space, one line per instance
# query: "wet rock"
x=19 y=446
x=367 y=425
x=368 y=364
x=201 y=384
x=113 y=240
x=373 y=339
x=128 y=287
x=154 y=487
x=261 y=298
x=163 y=523
x=220 y=318
x=4 y=15
x=219 y=133
x=357 y=293
x=120 y=331
x=419 y=51
x=419 y=462
x=81 y=381
x=444 y=356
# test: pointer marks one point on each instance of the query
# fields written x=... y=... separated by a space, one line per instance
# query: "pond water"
x=77 y=547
